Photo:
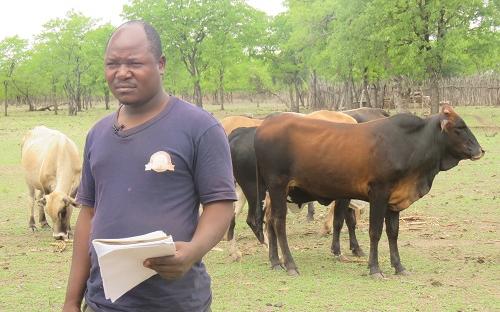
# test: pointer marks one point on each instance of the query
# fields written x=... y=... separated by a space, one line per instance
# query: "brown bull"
x=389 y=162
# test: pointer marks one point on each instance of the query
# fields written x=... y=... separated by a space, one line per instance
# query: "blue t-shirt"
x=153 y=177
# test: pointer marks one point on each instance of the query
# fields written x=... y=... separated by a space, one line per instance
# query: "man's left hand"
x=174 y=267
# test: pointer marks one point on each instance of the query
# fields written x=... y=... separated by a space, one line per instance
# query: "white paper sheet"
x=120 y=260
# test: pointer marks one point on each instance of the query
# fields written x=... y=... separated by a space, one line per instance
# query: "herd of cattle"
x=287 y=160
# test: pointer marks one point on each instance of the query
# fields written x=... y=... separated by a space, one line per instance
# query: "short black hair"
x=151 y=34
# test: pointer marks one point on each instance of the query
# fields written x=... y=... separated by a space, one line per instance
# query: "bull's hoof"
x=236 y=256
x=325 y=231
x=277 y=267
x=33 y=228
x=358 y=252
x=403 y=273
x=377 y=276
x=292 y=272
x=45 y=225
x=341 y=258
x=310 y=218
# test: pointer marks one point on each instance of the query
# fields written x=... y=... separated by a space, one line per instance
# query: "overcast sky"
x=26 y=17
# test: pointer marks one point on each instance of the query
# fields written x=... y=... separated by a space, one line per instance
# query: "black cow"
x=389 y=162
x=244 y=165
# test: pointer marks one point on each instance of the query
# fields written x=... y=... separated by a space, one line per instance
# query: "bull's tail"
x=261 y=195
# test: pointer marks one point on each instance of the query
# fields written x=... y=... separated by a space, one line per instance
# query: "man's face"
x=132 y=71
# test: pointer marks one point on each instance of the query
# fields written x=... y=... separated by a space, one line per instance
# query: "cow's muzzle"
x=478 y=156
x=60 y=236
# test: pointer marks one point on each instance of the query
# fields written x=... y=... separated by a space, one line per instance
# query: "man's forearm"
x=80 y=263
x=212 y=225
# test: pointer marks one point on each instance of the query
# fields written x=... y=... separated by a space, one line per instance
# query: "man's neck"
x=133 y=115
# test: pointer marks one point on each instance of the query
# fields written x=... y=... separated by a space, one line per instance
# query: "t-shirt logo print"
x=160 y=162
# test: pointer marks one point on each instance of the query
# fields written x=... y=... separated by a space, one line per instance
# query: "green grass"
x=449 y=240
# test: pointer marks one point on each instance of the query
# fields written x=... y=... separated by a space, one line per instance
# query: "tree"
x=233 y=44
x=65 y=39
x=430 y=38
x=93 y=49
x=287 y=63
x=196 y=33
x=12 y=51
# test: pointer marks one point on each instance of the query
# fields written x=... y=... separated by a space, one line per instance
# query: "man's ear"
x=161 y=65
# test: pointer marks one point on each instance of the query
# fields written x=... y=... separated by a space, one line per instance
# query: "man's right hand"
x=67 y=307
x=80 y=263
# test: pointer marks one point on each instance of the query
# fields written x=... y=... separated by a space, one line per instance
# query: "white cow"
x=52 y=169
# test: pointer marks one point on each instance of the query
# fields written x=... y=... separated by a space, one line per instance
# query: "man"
x=146 y=168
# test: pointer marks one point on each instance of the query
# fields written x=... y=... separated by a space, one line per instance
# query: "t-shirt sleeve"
x=213 y=174
x=86 y=190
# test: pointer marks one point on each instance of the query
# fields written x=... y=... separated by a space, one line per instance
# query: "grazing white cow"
x=52 y=166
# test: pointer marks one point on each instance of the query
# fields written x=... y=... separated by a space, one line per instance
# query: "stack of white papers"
x=121 y=260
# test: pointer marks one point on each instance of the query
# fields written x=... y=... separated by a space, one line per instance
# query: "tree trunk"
x=434 y=95
x=54 y=98
x=221 y=88
x=376 y=88
x=292 y=100
x=315 y=104
x=348 y=96
x=30 y=104
x=299 y=100
x=355 y=95
x=5 y=103
x=398 y=102
x=106 y=98
x=221 y=97
x=296 y=107
x=78 y=102
x=198 y=100
x=365 y=87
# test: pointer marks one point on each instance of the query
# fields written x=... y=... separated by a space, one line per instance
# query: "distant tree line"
x=317 y=54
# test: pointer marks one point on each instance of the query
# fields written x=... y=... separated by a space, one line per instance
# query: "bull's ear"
x=444 y=124
x=449 y=115
x=69 y=201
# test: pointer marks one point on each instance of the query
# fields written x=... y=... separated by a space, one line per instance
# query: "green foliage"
x=218 y=46
x=12 y=54
x=207 y=37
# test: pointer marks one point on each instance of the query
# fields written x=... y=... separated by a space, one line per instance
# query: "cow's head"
x=460 y=143
x=59 y=207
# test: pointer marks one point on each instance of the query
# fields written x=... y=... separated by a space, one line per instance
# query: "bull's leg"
x=392 y=230
x=273 y=244
x=32 y=225
x=41 y=212
x=279 y=210
x=240 y=203
x=350 y=220
x=234 y=251
x=310 y=211
x=378 y=207
x=328 y=223
x=280 y=226
x=340 y=211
